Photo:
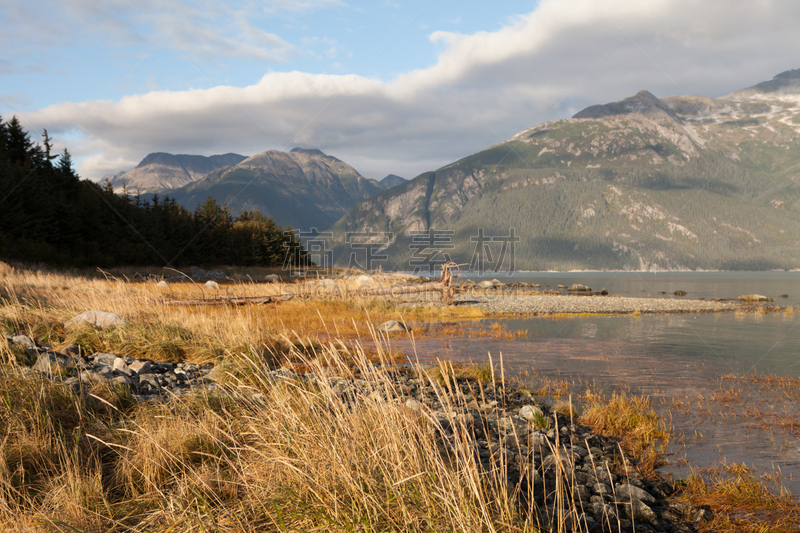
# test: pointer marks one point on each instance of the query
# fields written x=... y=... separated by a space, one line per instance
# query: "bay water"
x=727 y=383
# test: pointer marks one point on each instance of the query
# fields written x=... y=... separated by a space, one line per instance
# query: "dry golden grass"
x=37 y=303
x=742 y=501
x=260 y=455
x=631 y=419
x=267 y=455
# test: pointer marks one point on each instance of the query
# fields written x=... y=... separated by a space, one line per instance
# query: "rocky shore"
x=144 y=379
x=550 y=460
x=569 y=474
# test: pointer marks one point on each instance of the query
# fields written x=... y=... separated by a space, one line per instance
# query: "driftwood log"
x=443 y=287
x=242 y=300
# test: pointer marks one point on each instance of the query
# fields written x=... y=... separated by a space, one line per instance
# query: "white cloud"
x=485 y=87
x=205 y=30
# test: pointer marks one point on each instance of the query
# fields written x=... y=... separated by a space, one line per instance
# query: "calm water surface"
x=699 y=369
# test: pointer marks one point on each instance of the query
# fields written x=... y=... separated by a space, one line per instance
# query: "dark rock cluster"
x=144 y=378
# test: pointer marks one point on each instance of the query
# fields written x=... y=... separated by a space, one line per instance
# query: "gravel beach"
x=530 y=304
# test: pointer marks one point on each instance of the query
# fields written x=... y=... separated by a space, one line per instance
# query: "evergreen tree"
x=18 y=142
x=49 y=215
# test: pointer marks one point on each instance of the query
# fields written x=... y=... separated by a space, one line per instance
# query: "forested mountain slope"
x=683 y=182
x=302 y=188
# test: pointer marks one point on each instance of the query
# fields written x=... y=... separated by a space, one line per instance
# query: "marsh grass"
x=632 y=419
x=742 y=500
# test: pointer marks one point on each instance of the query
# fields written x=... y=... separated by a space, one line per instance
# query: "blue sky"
x=128 y=48
x=390 y=87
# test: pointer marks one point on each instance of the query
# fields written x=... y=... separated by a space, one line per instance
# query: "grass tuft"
x=631 y=419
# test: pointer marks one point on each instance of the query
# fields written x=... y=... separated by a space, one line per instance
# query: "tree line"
x=48 y=214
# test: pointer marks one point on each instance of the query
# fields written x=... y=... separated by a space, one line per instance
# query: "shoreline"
x=522 y=304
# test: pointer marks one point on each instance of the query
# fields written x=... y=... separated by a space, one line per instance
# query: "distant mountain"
x=392 y=180
x=303 y=188
x=646 y=183
x=160 y=171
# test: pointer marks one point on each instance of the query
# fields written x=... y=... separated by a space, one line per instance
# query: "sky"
x=399 y=87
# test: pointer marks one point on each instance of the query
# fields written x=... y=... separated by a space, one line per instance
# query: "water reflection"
x=684 y=362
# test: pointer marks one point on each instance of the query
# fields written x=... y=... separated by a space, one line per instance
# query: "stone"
x=632 y=492
x=140 y=367
x=577 y=287
x=99 y=319
x=53 y=363
x=530 y=413
x=149 y=380
x=703 y=515
x=553 y=466
x=104 y=358
x=163 y=284
x=679 y=293
x=91 y=377
x=123 y=380
x=640 y=511
x=415 y=405
x=104 y=371
x=24 y=341
x=365 y=281
x=754 y=298
x=272 y=278
x=211 y=285
x=197 y=273
x=392 y=326
x=121 y=367
x=216 y=274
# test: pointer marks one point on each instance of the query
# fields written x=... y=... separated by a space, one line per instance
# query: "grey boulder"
x=24 y=341
x=53 y=363
x=391 y=326
x=632 y=492
x=755 y=298
x=530 y=413
x=100 y=319
x=577 y=287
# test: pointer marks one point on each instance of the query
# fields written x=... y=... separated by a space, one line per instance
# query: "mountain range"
x=160 y=171
x=303 y=188
x=646 y=183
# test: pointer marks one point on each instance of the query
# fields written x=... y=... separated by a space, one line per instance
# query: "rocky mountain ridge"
x=303 y=188
x=160 y=171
